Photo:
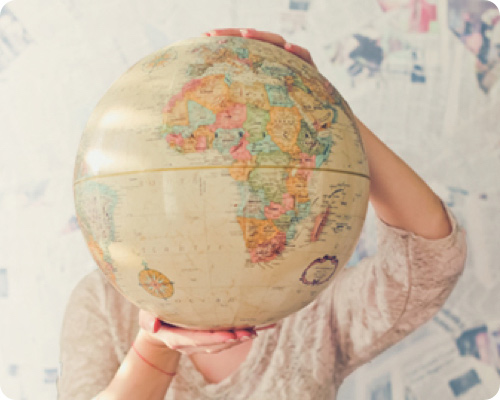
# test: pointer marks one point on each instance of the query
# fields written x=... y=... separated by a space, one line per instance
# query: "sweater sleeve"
x=387 y=296
x=88 y=359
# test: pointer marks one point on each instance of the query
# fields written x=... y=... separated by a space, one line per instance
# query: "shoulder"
x=94 y=301
x=97 y=291
x=94 y=292
x=98 y=327
x=88 y=294
x=92 y=284
x=392 y=237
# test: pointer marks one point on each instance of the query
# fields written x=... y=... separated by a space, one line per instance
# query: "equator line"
x=205 y=167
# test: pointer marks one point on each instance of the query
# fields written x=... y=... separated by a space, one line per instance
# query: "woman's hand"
x=188 y=341
x=268 y=37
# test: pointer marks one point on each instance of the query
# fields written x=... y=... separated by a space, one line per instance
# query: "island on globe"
x=221 y=182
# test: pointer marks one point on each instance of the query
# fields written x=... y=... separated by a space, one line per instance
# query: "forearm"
x=399 y=196
x=136 y=379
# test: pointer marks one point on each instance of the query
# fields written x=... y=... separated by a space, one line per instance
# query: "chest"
x=218 y=366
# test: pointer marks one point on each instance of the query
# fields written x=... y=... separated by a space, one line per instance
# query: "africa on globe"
x=221 y=183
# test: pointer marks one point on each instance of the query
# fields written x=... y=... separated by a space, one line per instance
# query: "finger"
x=224 y=32
x=209 y=349
x=299 y=51
x=265 y=327
x=149 y=322
x=269 y=37
x=221 y=347
x=179 y=337
x=245 y=334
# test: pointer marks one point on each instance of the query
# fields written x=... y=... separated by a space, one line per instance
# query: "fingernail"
x=155 y=325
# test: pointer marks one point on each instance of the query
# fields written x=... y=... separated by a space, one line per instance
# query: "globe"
x=221 y=183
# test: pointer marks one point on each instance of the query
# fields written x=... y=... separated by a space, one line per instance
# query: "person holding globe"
x=112 y=350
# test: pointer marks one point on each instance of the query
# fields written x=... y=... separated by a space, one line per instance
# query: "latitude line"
x=206 y=167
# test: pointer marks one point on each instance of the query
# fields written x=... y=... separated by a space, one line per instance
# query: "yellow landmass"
x=297 y=187
x=254 y=94
x=316 y=113
x=204 y=131
x=189 y=145
x=212 y=93
x=241 y=169
x=257 y=231
x=284 y=128
x=178 y=115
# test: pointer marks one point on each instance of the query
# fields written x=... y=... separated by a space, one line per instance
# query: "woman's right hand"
x=190 y=341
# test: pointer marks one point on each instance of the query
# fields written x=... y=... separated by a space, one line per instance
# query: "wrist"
x=145 y=373
x=155 y=353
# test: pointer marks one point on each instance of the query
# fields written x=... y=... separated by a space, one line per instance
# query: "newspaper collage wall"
x=424 y=75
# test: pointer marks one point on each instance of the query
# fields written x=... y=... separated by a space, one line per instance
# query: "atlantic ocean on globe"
x=221 y=183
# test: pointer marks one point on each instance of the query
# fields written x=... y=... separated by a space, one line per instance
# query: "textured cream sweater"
x=366 y=309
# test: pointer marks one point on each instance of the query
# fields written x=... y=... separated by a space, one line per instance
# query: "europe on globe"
x=221 y=183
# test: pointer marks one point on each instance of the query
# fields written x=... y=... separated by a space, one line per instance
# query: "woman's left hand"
x=268 y=37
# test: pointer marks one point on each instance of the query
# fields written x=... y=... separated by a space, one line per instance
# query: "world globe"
x=221 y=183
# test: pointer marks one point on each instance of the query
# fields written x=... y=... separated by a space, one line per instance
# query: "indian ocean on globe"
x=221 y=183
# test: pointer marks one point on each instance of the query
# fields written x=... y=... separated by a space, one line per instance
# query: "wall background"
x=424 y=75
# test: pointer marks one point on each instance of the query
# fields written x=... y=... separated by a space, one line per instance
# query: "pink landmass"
x=240 y=151
x=201 y=144
x=274 y=210
x=319 y=224
x=175 y=138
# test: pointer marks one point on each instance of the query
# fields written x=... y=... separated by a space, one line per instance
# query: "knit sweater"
x=365 y=310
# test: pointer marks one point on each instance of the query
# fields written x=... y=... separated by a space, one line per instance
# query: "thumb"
x=149 y=322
